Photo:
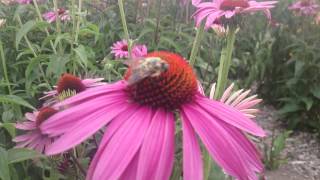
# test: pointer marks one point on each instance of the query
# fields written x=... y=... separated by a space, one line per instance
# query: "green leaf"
x=15 y=100
x=10 y=128
x=22 y=154
x=316 y=91
x=287 y=108
x=279 y=143
x=27 y=27
x=82 y=54
x=4 y=166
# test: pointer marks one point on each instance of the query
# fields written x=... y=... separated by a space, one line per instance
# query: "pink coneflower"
x=34 y=138
x=52 y=16
x=139 y=140
x=69 y=85
x=24 y=1
x=120 y=50
x=219 y=10
x=305 y=7
x=238 y=100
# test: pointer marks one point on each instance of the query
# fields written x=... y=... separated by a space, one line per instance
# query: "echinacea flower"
x=305 y=7
x=52 y=16
x=69 y=85
x=219 y=10
x=24 y=1
x=139 y=139
x=34 y=138
x=238 y=100
x=120 y=50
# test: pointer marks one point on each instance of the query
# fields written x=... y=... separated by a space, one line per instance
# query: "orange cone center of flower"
x=232 y=4
x=170 y=89
x=44 y=114
x=70 y=82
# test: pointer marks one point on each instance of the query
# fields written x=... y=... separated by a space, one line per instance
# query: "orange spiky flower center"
x=44 y=114
x=170 y=89
x=71 y=83
x=232 y=4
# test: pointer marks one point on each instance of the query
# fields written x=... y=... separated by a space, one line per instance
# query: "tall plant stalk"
x=225 y=63
x=124 y=25
x=196 y=44
x=4 y=66
x=46 y=29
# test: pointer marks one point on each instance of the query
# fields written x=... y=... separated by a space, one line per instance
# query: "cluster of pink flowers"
x=219 y=10
x=120 y=50
x=52 y=16
x=305 y=7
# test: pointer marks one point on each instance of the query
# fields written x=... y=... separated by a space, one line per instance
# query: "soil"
x=301 y=153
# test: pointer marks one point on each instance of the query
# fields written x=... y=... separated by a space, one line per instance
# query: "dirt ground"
x=302 y=150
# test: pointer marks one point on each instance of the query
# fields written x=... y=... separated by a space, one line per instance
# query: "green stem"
x=58 y=27
x=124 y=25
x=78 y=21
x=225 y=62
x=73 y=33
x=4 y=66
x=196 y=44
x=46 y=29
x=34 y=53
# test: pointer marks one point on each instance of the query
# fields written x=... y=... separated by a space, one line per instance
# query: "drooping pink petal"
x=230 y=115
x=87 y=128
x=122 y=146
x=26 y=125
x=131 y=171
x=156 y=154
x=219 y=142
x=192 y=162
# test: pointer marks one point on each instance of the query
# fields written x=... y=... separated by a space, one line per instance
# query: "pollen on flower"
x=44 y=114
x=71 y=83
x=232 y=4
x=171 y=89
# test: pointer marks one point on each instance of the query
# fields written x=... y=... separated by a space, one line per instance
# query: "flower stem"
x=58 y=27
x=46 y=29
x=124 y=25
x=78 y=21
x=4 y=66
x=34 y=53
x=196 y=44
x=225 y=62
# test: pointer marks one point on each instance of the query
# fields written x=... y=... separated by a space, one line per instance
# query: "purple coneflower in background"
x=120 y=50
x=217 y=10
x=34 y=138
x=52 y=16
x=69 y=85
x=305 y=7
x=139 y=140
x=24 y=1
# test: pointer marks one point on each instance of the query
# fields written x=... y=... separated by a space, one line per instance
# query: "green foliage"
x=272 y=152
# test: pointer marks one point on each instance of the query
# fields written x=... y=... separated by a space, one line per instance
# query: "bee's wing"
x=137 y=75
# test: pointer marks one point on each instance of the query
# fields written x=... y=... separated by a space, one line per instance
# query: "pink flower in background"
x=33 y=137
x=217 y=9
x=305 y=7
x=238 y=100
x=24 y=1
x=120 y=50
x=139 y=139
x=70 y=84
x=52 y=16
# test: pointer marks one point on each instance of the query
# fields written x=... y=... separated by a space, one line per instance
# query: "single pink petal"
x=192 y=162
x=218 y=142
x=248 y=104
x=233 y=96
x=226 y=93
x=26 y=125
x=122 y=146
x=131 y=171
x=195 y=2
x=240 y=98
x=110 y=131
x=213 y=90
x=155 y=148
x=230 y=115
x=81 y=131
